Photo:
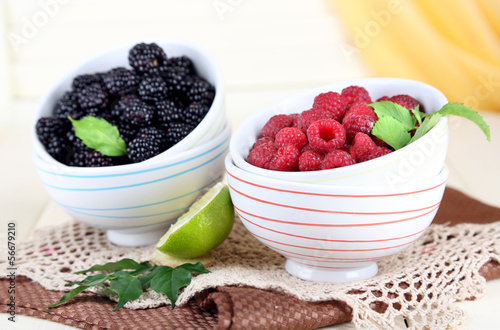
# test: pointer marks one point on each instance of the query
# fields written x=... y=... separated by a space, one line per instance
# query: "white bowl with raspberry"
x=333 y=233
x=137 y=203
x=420 y=160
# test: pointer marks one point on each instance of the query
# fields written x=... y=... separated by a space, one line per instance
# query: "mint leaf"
x=419 y=115
x=169 y=281
x=396 y=111
x=426 y=126
x=195 y=268
x=98 y=134
x=392 y=132
x=458 y=109
x=127 y=287
x=118 y=265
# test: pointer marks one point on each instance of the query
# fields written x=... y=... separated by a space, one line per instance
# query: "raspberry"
x=331 y=102
x=337 y=158
x=405 y=100
x=383 y=98
x=261 y=155
x=290 y=135
x=310 y=160
x=307 y=117
x=379 y=142
x=147 y=58
x=152 y=89
x=286 y=159
x=363 y=148
x=352 y=94
x=119 y=81
x=275 y=124
x=325 y=135
x=262 y=140
x=359 y=118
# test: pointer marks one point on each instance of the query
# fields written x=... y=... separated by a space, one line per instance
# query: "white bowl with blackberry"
x=129 y=138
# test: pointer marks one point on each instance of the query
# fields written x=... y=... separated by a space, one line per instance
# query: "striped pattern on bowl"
x=333 y=228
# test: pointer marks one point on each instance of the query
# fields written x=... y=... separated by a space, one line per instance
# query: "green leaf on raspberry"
x=392 y=131
x=98 y=134
x=396 y=111
x=426 y=126
x=458 y=109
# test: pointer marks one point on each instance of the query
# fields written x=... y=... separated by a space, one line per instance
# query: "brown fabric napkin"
x=224 y=307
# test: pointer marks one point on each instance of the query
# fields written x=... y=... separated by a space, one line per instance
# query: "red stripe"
x=326 y=259
x=332 y=195
x=337 y=225
x=332 y=240
x=332 y=250
x=316 y=266
x=328 y=211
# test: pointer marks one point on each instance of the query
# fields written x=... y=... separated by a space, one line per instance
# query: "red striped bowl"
x=333 y=233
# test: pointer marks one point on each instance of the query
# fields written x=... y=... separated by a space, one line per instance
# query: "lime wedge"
x=202 y=228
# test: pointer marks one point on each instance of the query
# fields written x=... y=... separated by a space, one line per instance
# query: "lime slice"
x=203 y=227
x=161 y=259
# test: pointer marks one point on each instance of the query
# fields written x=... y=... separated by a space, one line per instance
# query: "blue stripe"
x=142 y=183
x=131 y=216
x=139 y=206
x=132 y=173
x=138 y=226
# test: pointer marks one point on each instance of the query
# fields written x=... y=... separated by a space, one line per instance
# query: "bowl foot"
x=315 y=274
x=124 y=238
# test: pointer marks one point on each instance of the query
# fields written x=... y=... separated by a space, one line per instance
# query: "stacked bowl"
x=136 y=203
x=334 y=225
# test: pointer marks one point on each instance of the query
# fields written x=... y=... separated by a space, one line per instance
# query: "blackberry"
x=168 y=111
x=142 y=148
x=78 y=151
x=96 y=159
x=127 y=132
x=92 y=96
x=147 y=58
x=152 y=88
x=68 y=105
x=48 y=127
x=139 y=114
x=195 y=113
x=182 y=62
x=201 y=91
x=58 y=148
x=119 y=106
x=119 y=81
x=179 y=82
x=177 y=131
x=84 y=80
x=156 y=133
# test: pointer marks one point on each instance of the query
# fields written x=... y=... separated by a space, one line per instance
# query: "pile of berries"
x=335 y=132
x=154 y=104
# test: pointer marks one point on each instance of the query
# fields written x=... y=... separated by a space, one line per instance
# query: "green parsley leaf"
x=392 y=132
x=128 y=288
x=395 y=111
x=100 y=135
x=131 y=279
x=458 y=109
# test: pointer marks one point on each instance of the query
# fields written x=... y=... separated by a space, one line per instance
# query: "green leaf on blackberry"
x=100 y=135
x=458 y=109
x=392 y=131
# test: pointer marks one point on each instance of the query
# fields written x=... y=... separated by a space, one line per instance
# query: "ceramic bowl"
x=205 y=64
x=420 y=160
x=136 y=203
x=333 y=233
